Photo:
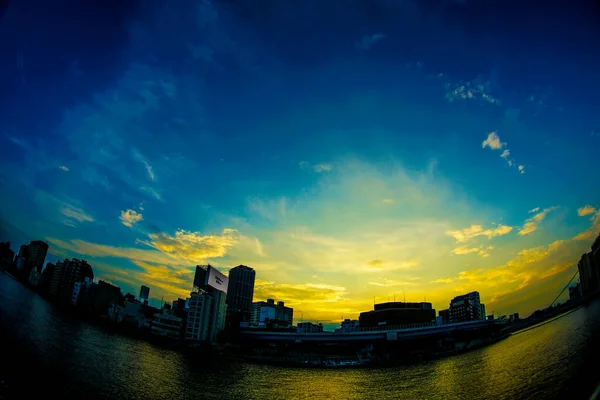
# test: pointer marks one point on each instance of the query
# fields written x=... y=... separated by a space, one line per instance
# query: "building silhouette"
x=207 y=309
x=265 y=312
x=589 y=269
x=397 y=313
x=36 y=256
x=61 y=277
x=466 y=307
x=144 y=293
x=6 y=254
x=240 y=292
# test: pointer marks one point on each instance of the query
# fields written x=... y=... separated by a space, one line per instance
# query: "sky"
x=351 y=152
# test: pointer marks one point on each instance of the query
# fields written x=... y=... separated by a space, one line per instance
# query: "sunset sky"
x=347 y=151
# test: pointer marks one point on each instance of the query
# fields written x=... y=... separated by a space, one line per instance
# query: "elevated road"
x=379 y=334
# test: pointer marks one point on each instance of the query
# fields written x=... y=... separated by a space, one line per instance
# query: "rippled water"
x=44 y=350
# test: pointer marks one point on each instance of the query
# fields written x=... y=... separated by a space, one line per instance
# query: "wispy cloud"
x=532 y=224
x=375 y=263
x=367 y=41
x=388 y=201
x=74 y=214
x=463 y=235
x=323 y=168
x=585 y=210
x=534 y=210
x=476 y=89
x=494 y=143
x=17 y=141
x=139 y=157
x=483 y=251
x=130 y=217
x=64 y=168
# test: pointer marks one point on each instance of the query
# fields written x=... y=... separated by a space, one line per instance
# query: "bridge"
x=377 y=334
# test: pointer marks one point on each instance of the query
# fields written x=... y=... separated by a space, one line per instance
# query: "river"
x=44 y=351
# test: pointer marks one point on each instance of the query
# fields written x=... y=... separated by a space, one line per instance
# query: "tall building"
x=104 y=295
x=207 y=305
x=466 y=307
x=63 y=275
x=6 y=254
x=144 y=292
x=36 y=255
x=240 y=292
x=264 y=311
x=588 y=273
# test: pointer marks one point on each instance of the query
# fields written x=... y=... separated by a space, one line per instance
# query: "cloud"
x=323 y=168
x=585 y=210
x=139 y=157
x=182 y=250
x=493 y=142
x=375 y=263
x=384 y=282
x=476 y=89
x=130 y=217
x=192 y=246
x=296 y=294
x=483 y=251
x=76 y=214
x=534 y=210
x=531 y=224
x=593 y=230
x=17 y=141
x=443 y=280
x=367 y=41
x=463 y=235
x=62 y=167
x=388 y=201
x=152 y=192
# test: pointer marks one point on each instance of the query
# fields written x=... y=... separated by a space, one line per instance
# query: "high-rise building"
x=63 y=275
x=6 y=254
x=588 y=273
x=207 y=306
x=36 y=255
x=466 y=307
x=240 y=292
x=105 y=295
x=263 y=311
x=144 y=292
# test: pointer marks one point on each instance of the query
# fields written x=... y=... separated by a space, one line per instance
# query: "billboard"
x=216 y=280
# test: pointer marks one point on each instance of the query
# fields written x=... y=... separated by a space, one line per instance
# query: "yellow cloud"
x=375 y=263
x=463 y=235
x=192 y=246
x=130 y=217
x=481 y=250
x=585 y=210
x=294 y=294
x=388 y=201
x=443 y=280
x=532 y=223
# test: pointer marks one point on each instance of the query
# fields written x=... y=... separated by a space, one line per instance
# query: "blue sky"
x=345 y=150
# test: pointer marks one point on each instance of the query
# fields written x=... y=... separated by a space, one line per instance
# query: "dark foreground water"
x=45 y=352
